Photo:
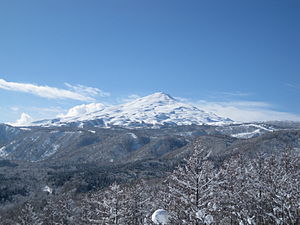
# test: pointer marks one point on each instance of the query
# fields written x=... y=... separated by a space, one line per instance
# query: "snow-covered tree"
x=280 y=188
x=113 y=203
x=92 y=208
x=28 y=215
x=192 y=190
x=137 y=203
x=235 y=202
x=61 y=210
x=105 y=207
x=264 y=190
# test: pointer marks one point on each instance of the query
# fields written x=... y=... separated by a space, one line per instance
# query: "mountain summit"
x=157 y=109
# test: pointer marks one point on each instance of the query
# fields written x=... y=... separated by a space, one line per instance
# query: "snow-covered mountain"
x=157 y=109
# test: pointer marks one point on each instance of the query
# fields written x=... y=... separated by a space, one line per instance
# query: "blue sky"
x=240 y=59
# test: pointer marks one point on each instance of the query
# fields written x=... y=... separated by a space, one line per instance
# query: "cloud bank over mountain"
x=246 y=111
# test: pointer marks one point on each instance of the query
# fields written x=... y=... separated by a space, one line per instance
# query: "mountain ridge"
x=157 y=109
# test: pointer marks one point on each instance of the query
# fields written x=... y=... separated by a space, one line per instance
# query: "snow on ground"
x=156 y=109
x=160 y=217
x=2 y=151
x=25 y=128
x=51 y=151
x=247 y=134
x=47 y=189
x=133 y=135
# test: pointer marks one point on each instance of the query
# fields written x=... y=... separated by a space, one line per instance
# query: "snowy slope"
x=246 y=130
x=153 y=110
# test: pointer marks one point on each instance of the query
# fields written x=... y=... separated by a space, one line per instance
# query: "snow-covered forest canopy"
x=260 y=191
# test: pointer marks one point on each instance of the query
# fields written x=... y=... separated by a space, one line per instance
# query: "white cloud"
x=84 y=93
x=87 y=91
x=182 y=99
x=24 y=120
x=15 y=108
x=293 y=86
x=130 y=98
x=246 y=111
x=80 y=110
x=232 y=94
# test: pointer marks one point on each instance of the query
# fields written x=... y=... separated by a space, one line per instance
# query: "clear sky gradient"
x=231 y=57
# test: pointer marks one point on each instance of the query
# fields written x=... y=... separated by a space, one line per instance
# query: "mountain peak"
x=156 y=109
x=161 y=95
x=159 y=98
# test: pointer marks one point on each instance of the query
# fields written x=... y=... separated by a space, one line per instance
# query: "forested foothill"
x=197 y=175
